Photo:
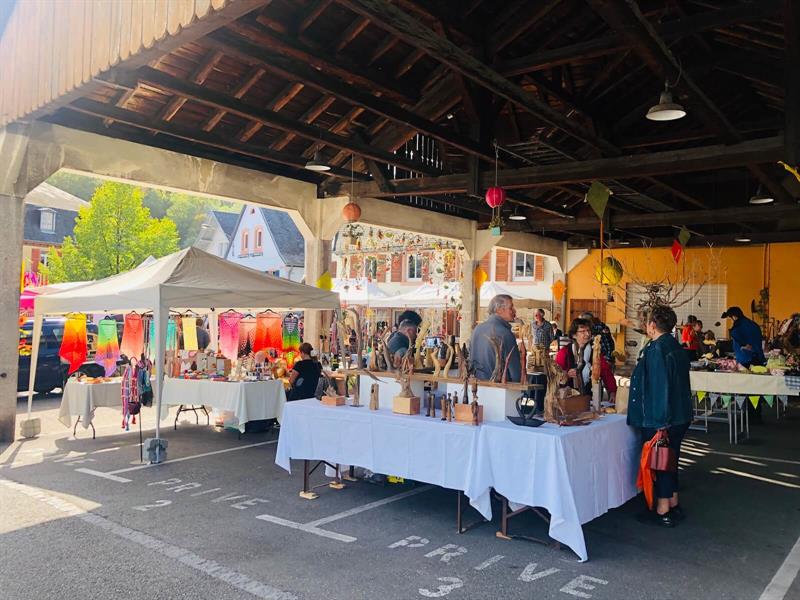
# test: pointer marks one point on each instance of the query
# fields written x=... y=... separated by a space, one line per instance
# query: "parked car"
x=51 y=372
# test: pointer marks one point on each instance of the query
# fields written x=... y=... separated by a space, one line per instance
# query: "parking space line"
x=751 y=456
x=784 y=577
x=182 y=458
x=339 y=537
x=104 y=475
x=370 y=506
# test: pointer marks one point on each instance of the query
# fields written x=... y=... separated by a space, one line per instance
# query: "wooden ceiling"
x=414 y=100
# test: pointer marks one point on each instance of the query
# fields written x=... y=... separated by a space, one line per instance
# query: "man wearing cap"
x=747 y=339
x=404 y=337
x=498 y=326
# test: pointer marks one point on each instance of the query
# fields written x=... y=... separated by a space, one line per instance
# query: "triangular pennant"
x=726 y=400
x=558 y=289
x=325 y=282
x=739 y=400
x=701 y=396
x=713 y=397
x=597 y=197
x=770 y=400
x=677 y=251
x=784 y=399
x=683 y=236
x=480 y=276
x=754 y=400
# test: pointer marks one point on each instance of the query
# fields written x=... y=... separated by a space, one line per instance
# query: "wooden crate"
x=464 y=413
x=333 y=400
x=405 y=406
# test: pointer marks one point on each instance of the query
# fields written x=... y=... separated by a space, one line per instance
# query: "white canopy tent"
x=190 y=279
x=358 y=291
x=446 y=295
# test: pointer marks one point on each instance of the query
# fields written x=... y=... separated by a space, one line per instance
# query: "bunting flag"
x=791 y=169
x=325 y=282
x=268 y=332
x=701 y=396
x=229 y=334
x=684 y=236
x=73 y=345
x=107 y=353
x=132 y=336
x=739 y=400
x=754 y=400
x=726 y=400
x=784 y=399
x=558 y=289
x=480 y=276
x=597 y=197
x=714 y=397
x=189 y=326
x=770 y=399
x=677 y=251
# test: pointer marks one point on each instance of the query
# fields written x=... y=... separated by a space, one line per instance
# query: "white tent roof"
x=358 y=291
x=429 y=295
x=188 y=279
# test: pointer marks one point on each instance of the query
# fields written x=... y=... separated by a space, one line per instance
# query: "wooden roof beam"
x=623 y=167
x=219 y=101
x=394 y=20
x=198 y=76
x=247 y=82
x=311 y=115
x=791 y=24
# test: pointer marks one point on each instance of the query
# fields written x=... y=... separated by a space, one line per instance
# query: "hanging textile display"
x=130 y=396
x=189 y=326
x=229 y=333
x=172 y=336
x=291 y=338
x=269 y=331
x=132 y=336
x=73 y=345
x=107 y=353
x=247 y=334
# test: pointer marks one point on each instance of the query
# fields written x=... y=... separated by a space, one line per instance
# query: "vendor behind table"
x=498 y=326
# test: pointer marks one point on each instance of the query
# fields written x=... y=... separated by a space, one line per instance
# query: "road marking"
x=777 y=460
x=759 y=478
x=489 y=562
x=186 y=557
x=103 y=475
x=182 y=458
x=307 y=528
x=785 y=576
x=370 y=506
x=111 y=449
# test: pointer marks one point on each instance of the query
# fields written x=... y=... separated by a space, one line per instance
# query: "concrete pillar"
x=315 y=266
x=470 y=301
x=12 y=216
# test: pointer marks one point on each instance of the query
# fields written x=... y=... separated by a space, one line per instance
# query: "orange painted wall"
x=741 y=268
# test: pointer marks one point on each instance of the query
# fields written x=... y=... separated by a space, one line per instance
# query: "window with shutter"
x=538 y=272
x=501 y=265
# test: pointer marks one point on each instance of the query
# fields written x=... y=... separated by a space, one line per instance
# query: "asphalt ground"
x=220 y=520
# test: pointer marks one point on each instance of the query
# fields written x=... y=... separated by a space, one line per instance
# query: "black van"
x=51 y=372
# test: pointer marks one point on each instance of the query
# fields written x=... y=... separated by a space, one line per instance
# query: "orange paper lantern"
x=351 y=212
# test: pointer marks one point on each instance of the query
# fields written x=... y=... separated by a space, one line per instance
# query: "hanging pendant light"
x=516 y=216
x=742 y=239
x=666 y=109
x=761 y=198
x=317 y=164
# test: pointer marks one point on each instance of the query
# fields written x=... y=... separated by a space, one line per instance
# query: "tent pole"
x=160 y=315
x=35 y=342
x=213 y=330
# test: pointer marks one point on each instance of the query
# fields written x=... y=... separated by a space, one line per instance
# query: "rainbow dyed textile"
x=107 y=353
x=73 y=345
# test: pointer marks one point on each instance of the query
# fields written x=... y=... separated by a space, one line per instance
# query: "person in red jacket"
x=576 y=360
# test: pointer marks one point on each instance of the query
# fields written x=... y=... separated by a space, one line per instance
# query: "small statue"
x=429 y=401
x=449 y=408
x=444 y=407
x=373 y=397
x=475 y=408
x=455 y=397
x=356 y=392
x=331 y=391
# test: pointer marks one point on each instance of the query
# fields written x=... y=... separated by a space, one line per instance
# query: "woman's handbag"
x=662 y=456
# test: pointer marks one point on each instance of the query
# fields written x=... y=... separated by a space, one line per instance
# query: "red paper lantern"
x=351 y=212
x=495 y=197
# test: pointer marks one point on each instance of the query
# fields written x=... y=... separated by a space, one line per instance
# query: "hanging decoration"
x=480 y=276
x=684 y=236
x=247 y=334
x=189 y=326
x=495 y=198
x=558 y=289
x=677 y=251
x=132 y=336
x=172 y=336
x=791 y=169
x=291 y=338
x=609 y=272
x=229 y=333
x=351 y=212
x=597 y=198
x=269 y=332
x=74 y=349
x=107 y=353
x=325 y=281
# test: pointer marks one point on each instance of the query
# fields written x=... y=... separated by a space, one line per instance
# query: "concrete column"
x=315 y=266
x=12 y=216
x=469 y=299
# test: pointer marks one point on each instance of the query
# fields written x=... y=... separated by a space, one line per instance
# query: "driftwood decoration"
x=441 y=366
x=523 y=362
x=356 y=391
x=373 y=396
x=462 y=355
x=423 y=332
x=497 y=346
x=404 y=377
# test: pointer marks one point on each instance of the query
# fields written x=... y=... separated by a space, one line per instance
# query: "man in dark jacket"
x=661 y=398
x=747 y=339
x=498 y=326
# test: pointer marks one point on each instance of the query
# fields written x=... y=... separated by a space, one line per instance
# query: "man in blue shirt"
x=498 y=325
x=747 y=339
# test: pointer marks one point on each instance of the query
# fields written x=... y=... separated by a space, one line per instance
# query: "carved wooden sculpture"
x=356 y=391
x=497 y=346
x=373 y=397
x=423 y=332
x=442 y=365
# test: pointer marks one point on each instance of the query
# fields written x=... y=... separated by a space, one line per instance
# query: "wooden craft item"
x=496 y=345
x=443 y=401
x=523 y=371
x=429 y=404
x=477 y=411
x=405 y=405
x=449 y=404
x=463 y=413
x=373 y=397
x=333 y=400
x=356 y=392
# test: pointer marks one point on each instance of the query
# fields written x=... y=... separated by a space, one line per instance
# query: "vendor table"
x=80 y=399
x=247 y=400
x=576 y=473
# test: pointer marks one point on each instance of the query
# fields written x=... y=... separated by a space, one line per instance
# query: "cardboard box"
x=463 y=413
x=333 y=400
x=405 y=406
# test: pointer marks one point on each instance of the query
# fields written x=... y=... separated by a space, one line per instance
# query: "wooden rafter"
x=249 y=80
x=791 y=22
x=311 y=115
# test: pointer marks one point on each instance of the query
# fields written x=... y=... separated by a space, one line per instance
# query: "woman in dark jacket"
x=661 y=398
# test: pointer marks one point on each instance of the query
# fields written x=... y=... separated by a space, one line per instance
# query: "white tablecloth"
x=739 y=383
x=416 y=447
x=576 y=473
x=247 y=400
x=80 y=399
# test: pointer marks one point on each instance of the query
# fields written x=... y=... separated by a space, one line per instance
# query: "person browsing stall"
x=576 y=360
x=403 y=338
x=747 y=338
x=305 y=374
x=541 y=330
x=498 y=326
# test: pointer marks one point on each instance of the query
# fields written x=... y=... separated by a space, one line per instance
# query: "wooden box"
x=573 y=405
x=405 y=406
x=464 y=413
x=333 y=400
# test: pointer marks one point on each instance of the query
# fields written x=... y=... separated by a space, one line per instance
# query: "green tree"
x=113 y=234
x=188 y=213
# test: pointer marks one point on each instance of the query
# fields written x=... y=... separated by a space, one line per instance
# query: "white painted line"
x=103 y=450
x=175 y=460
x=747 y=461
x=370 y=506
x=759 y=478
x=186 y=557
x=103 y=475
x=489 y=562
x=777 y=460
x=307 y=528
x=785 y=576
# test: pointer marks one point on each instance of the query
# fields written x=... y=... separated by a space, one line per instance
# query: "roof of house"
x=64 y=225
x=227 y=222
x=50 y=196
x=288 y=238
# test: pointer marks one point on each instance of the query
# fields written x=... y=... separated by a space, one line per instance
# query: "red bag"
x=662 y=457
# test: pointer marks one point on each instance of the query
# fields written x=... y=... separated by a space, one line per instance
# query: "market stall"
x=81 y=397
x=189 y=280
